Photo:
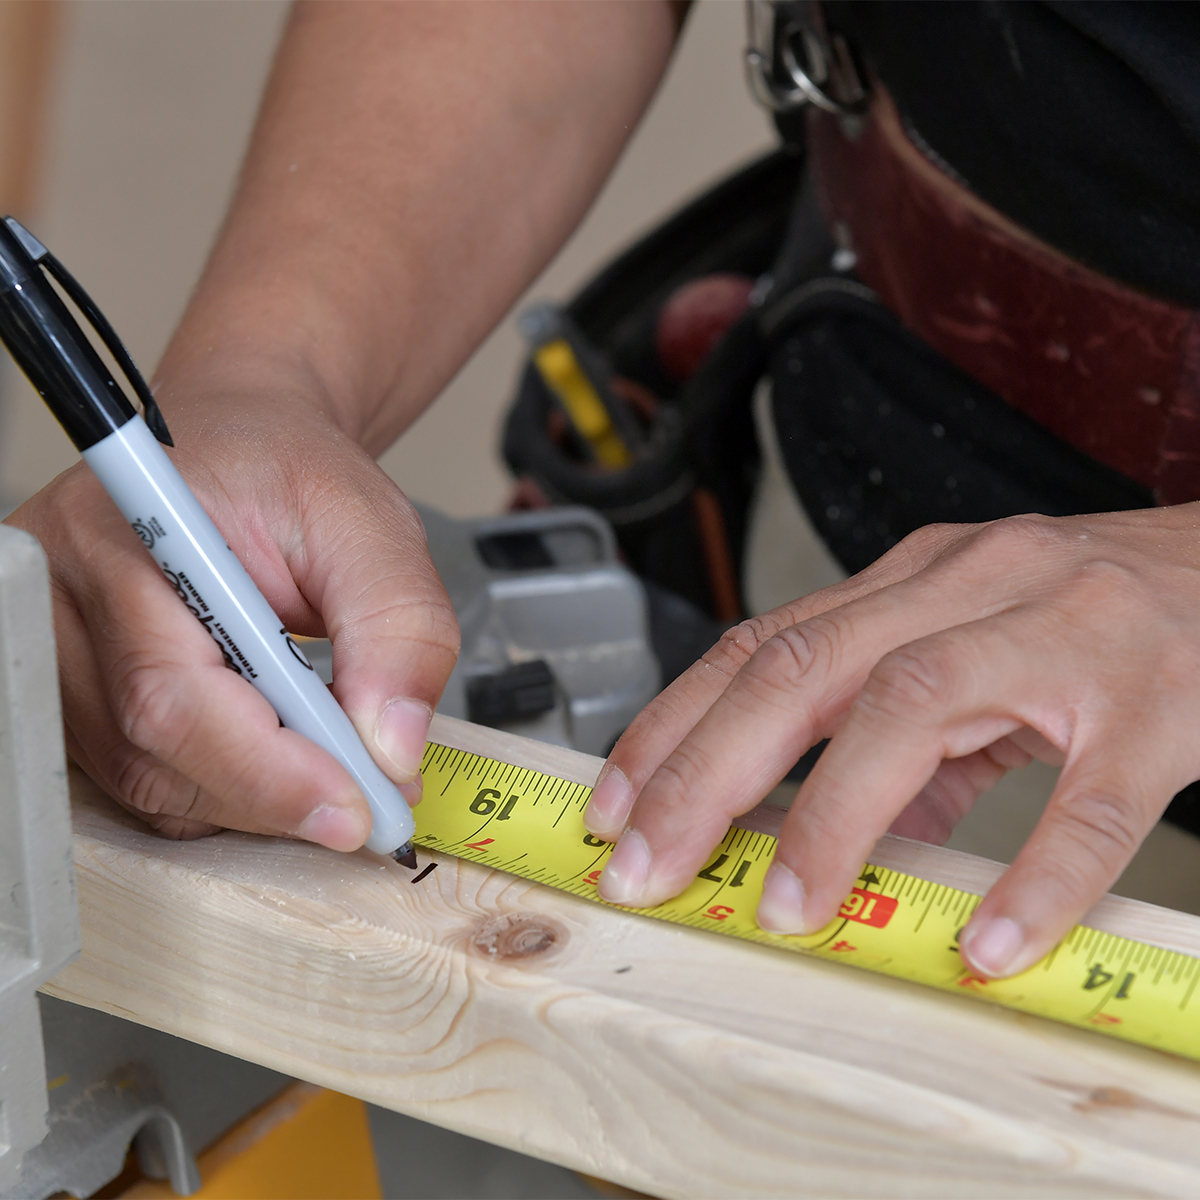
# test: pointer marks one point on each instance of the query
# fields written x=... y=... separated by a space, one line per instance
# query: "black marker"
x=123 y=451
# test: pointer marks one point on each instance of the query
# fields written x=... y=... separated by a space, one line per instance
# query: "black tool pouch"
x=702 y=435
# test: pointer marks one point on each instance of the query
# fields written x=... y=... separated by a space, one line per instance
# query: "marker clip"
x=108 y=335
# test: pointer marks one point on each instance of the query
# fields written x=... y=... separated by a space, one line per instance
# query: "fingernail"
x=401 y=734
x=610 y=803
x=413 y=791
x=992 y=946
x=781 y=909
x=624 y=879
x=336 y=827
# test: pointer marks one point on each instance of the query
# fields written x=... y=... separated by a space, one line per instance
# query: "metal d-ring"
x=773 y=35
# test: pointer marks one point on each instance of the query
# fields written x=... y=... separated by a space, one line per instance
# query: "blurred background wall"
x=126 y=170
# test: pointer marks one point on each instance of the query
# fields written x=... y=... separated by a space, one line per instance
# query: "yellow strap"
x=558 y=366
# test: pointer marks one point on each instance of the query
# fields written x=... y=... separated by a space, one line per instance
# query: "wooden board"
x=666 y=1059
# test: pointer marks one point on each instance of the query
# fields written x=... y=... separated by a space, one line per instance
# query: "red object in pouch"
x=696 y=317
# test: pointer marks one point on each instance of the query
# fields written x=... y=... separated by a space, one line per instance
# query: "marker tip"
x=406 y=856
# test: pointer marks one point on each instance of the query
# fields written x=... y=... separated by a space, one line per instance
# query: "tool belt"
x=1107 y=368
x=898 y=401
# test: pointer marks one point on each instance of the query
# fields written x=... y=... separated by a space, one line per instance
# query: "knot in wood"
x=518 y=935
x=1112 y=1097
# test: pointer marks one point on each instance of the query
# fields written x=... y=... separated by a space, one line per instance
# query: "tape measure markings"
x=892 y=923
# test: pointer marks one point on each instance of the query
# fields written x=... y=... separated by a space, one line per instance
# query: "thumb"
x=395 y=637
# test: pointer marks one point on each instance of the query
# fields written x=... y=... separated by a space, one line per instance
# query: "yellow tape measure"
x=530 y=824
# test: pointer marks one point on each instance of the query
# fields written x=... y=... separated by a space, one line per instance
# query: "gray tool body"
x=545 y=587
x=555 y=630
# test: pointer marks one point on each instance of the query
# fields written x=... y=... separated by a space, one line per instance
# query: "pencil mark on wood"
x=428 y=869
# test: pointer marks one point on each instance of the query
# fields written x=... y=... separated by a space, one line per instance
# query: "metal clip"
x=40 y=256
x=792 y=59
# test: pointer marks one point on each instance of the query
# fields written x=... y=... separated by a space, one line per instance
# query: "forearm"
x=414 y=167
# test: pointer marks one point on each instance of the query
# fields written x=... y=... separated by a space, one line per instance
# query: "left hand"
x=958 y=655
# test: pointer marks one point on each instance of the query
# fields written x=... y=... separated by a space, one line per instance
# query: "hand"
x=956 y=656
x=151 y=712
x=354 y=274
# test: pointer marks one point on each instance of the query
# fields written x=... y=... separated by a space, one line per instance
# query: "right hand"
x=151 y=712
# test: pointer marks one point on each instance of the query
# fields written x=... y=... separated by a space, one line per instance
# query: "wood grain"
x=662 y=1058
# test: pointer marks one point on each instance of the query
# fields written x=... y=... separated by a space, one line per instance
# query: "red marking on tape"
x=868 y=908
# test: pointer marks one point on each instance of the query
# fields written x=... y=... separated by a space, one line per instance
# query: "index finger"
x=664 y=723
x=365 y=567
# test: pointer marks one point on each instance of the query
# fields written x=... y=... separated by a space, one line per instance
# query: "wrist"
x=245 y=357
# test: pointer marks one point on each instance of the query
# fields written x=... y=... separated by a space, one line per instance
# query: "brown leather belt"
x=1109 y=369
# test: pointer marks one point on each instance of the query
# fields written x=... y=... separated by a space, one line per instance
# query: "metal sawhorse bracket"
x=39 y=920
